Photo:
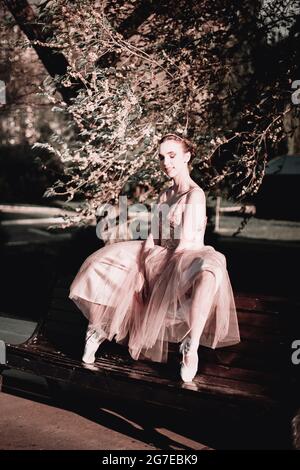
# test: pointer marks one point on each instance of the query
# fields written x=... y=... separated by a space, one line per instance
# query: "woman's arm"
x=193 y=219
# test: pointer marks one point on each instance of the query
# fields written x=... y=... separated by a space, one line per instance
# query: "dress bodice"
x=170 y=221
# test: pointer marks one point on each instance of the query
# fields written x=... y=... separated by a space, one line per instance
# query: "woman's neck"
x=180 y=185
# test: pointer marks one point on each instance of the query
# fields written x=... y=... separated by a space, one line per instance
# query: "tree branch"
x=54 y=62
x=130 y=25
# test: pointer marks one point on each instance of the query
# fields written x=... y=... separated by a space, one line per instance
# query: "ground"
x=39 y=423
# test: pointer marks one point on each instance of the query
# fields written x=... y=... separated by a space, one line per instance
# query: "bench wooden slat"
x=247 y=354
x=141 y=371
x=254 y=348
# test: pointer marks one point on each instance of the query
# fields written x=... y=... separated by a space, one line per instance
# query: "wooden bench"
x=255 y=378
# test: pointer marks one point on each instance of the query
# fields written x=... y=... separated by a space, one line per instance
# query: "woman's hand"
x=179 y=249
x=147 y=245
x=149 y=242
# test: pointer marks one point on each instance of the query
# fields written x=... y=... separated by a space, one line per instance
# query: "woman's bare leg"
x=204 y=289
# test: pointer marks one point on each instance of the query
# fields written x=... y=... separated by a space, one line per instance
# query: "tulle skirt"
x=143 y=299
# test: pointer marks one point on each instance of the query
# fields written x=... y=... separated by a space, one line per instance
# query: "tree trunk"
x=54 y=62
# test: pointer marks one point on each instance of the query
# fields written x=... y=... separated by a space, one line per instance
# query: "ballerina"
x=170 y=287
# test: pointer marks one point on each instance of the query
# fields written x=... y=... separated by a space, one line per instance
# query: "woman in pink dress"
x=167 y=288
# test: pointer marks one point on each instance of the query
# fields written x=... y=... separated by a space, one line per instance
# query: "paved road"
x=36 y=425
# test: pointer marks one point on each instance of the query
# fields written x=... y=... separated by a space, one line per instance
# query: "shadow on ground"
x=155 y=426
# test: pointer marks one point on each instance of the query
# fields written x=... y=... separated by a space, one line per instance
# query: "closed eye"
x=161 y=157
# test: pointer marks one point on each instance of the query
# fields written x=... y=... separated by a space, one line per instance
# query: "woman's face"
x=172 y=157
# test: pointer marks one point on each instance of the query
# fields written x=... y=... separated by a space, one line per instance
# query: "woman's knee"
x=212 y=279
x=205 y=277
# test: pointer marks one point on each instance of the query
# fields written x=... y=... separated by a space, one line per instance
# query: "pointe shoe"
x=187 y=373
x=92 y=343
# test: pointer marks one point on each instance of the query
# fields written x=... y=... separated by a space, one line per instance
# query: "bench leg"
x=1 y=377
x=2 y=361
x=296 y=430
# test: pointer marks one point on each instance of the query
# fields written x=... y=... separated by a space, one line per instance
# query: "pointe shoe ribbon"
x=92 y=343
x=188 y=372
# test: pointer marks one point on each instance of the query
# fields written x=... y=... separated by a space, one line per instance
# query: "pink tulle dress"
x=141 y=295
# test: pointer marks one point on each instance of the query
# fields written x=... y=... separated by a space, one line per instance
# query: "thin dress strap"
x=187 y=192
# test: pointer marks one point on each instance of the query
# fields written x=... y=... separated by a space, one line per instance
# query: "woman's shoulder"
x=195 y=196
x=195 y=192
x=196 y=186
